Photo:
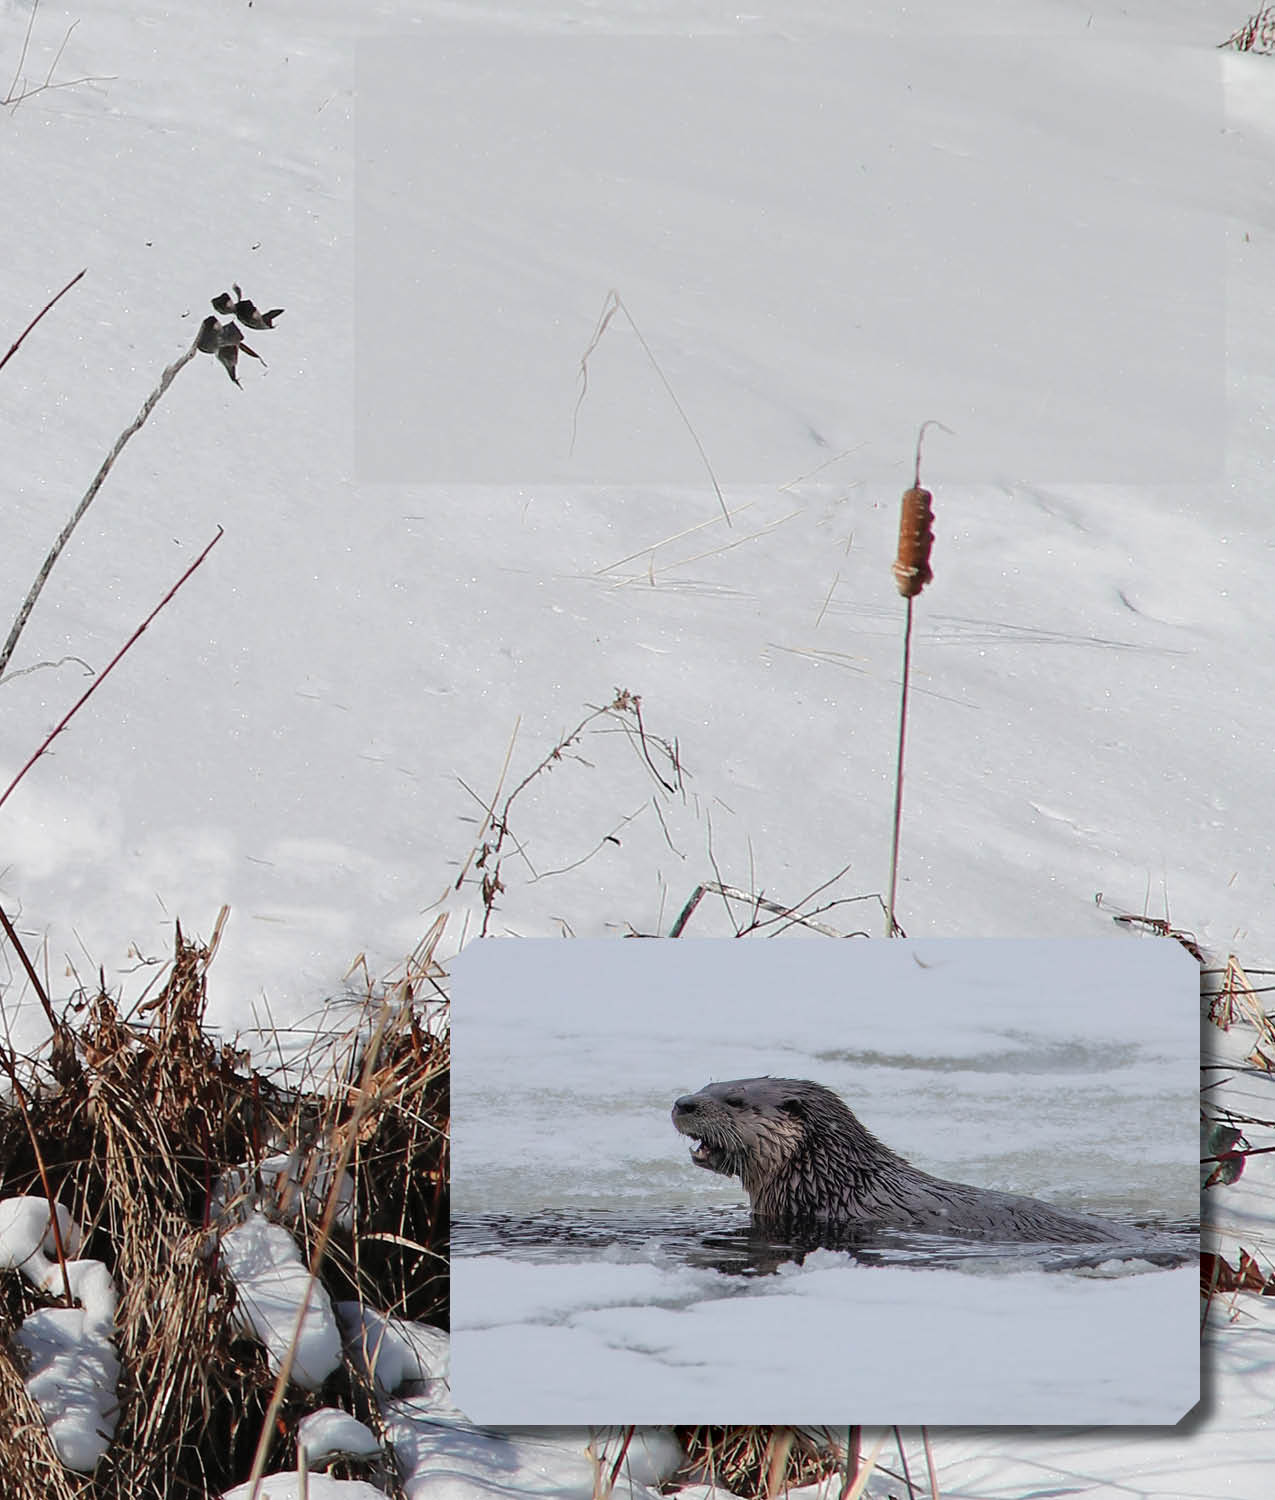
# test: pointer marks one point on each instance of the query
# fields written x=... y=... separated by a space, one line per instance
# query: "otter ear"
x=796 y=1106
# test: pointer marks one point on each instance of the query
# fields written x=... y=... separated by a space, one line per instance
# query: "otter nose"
x=686 y=1105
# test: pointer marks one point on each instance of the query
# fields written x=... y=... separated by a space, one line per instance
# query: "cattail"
x=912 y=572
x=916 y=537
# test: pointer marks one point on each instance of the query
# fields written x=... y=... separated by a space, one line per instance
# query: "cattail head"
x=916 y=538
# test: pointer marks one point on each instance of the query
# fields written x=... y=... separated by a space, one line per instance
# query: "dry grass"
x=757 y=1462
x=135 y=1120
x=1257 y=33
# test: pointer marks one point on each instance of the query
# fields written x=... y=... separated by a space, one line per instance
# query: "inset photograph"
x=811 y=1181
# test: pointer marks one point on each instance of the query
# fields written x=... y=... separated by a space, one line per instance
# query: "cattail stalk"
x=912 y=572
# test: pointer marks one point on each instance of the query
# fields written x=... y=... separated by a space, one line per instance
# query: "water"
x=725 y=1241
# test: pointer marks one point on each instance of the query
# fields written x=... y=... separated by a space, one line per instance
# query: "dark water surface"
x=725 y=1241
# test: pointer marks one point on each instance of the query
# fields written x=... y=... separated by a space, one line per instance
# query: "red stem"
x=107 y=670
x=13 y=348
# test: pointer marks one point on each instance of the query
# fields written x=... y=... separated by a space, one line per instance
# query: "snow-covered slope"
x=310 y=729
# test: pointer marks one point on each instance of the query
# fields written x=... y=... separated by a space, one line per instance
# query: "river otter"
x=808 y=1166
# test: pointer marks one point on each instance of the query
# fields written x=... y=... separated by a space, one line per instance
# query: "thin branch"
x=44 y=666
x=489 y=808
x=930 y=1466
x=18 y=947
x=26 y=44
x=615 y=303
x=148 y=406
x=13 y=347
x=669 y=787
x=13 y=98
x=107 y=670
x=66 y=83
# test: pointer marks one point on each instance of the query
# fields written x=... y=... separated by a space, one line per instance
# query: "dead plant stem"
x=11 y=933
x=903 y=1460
x=106 y=671
x=148 y=406
x=17 y=343
x=930 y=1466
x=615 y=303
x=318 y=1253
x=891 y=927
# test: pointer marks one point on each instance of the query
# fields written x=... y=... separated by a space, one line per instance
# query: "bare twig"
x=920 y=438
x=489 y=808
x=19 y=948
x=26 y=45
x=14 y=347
x=664 y=541
x=931 y=1469
x=854 y=1454
x=865 y=1473
x=14 y=98
x=495 y=832
x=615 y=303
x=688 y=911
x=604 y=1488
x=47 y=666
x=148 y=406
x=903 y=1460
x=792 y=915
x=106 y=671
x=646 y=754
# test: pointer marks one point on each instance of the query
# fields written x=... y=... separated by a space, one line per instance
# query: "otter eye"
x=736 y=1101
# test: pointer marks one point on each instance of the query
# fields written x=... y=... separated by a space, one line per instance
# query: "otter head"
x=799 y=1152
x=750 y=1128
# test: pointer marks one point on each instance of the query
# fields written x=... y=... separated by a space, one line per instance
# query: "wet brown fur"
x=806 y=1162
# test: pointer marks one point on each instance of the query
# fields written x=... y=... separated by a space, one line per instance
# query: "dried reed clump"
x=146 y=1116
x=755 y=1462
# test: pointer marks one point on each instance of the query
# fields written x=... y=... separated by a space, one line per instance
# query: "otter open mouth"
x=711 y=1158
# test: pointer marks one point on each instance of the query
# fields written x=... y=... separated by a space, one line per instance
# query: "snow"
x=933 y=1347
x=72 y=1375
x=1092 y=704
x=453 y=1461
x=287 y=1486
x=391 y=1351
x=292 y=1184
x=273 y=1285
x=26 y=1235
x=331 y=1433
x=72 y=1369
